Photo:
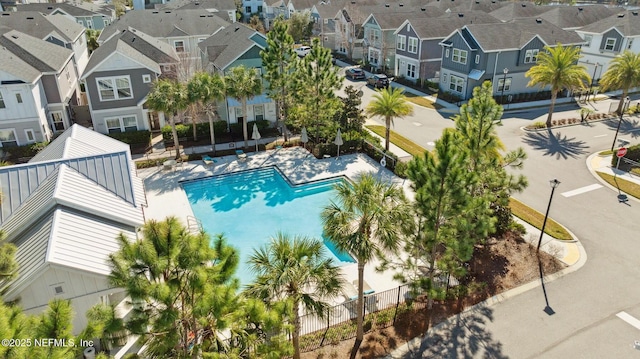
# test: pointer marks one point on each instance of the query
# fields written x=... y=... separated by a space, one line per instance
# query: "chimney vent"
x=539 y=20
x=460 y=14
x=524 y=5
x=386 y=5
x=580 y=9
x=635 y=13
x=621 y=15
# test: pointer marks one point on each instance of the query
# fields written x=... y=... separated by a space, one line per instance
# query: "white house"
x=64 y=210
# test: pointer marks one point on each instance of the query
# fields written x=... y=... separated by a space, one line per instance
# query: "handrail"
x=194 y=225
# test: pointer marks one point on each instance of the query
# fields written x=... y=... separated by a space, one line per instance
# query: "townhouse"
x=225 y=9
x=119 y=77
x=480 y=52
x=38 y=85
x=234 y=46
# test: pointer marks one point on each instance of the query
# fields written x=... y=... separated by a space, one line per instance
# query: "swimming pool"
x=250 y=207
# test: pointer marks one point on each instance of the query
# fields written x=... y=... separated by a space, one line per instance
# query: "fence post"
x=397 y=303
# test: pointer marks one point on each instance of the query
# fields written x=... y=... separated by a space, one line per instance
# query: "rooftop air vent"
x=203 y=15
x=386 y=5
x=14 y=36
x=353 y=2
x=621 y=15
x=401 y=4
x=635 y=13
x=493 y=1
x=49 y=7
x=460 y=14
x=580 y=8
x=154 y=12
x=197 y=3
x=236 y=29
x=539 y=20
x=30 y=18
x=5 y=14
x=524 y=5
x=423 y=9
x=167 y=12
x=477 y=2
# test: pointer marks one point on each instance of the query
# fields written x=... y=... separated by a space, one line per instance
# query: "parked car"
x=378 y=81
x=355 y=73
x=302 y=51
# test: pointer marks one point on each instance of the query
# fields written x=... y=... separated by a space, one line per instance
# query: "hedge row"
x=202 y=129
x=133 y=137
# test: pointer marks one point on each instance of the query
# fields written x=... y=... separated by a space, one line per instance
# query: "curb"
x=590 y=166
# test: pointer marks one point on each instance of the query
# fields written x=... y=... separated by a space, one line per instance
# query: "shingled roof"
x=572 y=17
x=136 y=45
x=517 y=10
x=81 y=9
x=442 y=26
x=163 y=24
x=491 y=37
x=228 y=44
x=38 y=25
x=627 y=22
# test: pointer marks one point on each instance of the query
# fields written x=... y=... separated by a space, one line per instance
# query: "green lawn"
x=422 y=101
x=630 y=188
x=402 y=142
x=536 y=218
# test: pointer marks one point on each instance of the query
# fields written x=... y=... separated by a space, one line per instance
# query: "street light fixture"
x=505 y=71
x=593 y=81
x=625 y=107
x=554 y=184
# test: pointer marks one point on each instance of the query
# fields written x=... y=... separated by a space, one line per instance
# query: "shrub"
x=401 y=169
x=539 y=124
x=633 y=153
x=23 y=152
x=133 y=137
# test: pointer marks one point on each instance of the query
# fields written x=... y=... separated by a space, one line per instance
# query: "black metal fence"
x=339 y=323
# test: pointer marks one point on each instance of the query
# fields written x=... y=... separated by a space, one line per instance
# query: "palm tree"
x=558 y=68
x=389 y=103
x=170 y=97
x=206 y=89
x=299 y=270
x=366 y=221
x=243 y=83
x=623 y=73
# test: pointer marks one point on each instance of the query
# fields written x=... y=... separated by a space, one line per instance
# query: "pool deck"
x=165 y=196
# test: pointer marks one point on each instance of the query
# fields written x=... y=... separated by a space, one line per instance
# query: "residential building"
x=480 y=52
x=259 y=7
x=418 y=52
x=182 y=29
x=607 y=38
x=119 y=77
x=218 y=7
x=64 y=211
x=87 y=14
x=238 y=45
x=56 y=29
x=575 y=17
x=379 y=31
x=324 y=16
x=38 y=87
x=519 y=10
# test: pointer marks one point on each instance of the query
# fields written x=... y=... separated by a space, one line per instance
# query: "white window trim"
x=120 y=121
x=415 y=70
x=401 y=43
x=184 y=45
x=105 y=22
x=53 y=123
x=506 y=83
x=613 y=45
x=409 y=46
x=460 y=57
x=588 y=42
x=531 y=56
x=15 y=135
x=146 y=78
x=28 y=131
x=446 y=52
x=477 y=59
x=115 y=90
x=455 y=80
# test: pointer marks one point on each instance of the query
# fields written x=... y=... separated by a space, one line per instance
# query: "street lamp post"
x=554 y=184
x=593 y=81
x=505 y=71
x=625 y=107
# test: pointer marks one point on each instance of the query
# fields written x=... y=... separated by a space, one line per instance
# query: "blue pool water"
x=250 y=207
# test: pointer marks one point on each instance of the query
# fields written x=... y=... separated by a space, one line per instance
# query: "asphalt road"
x=581 y=318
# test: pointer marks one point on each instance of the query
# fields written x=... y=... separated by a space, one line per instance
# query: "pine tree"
x=351 y=116
x=316 y=80
x=278 y=61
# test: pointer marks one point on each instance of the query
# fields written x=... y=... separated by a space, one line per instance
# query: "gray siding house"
x=418 y=51
x=480 y=52
x=118 y=79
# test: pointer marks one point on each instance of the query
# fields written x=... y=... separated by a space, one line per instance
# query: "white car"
x=302 y=51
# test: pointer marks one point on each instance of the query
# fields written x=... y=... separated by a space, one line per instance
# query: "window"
x=477 y=59
x=105 y=22
x=58 y=290
x=179 y=45
x=531 y=56
x=459 y=56
x=374 y=36
x=401 y=42
x=258 y=112
x=8 y=138
x=413 y=45
x=373 y=57
x=258 y=70
x=146 y=78
x=30 y=135
x=629 y=43
x=610 y=44
x=259 y=9
x=57 y=121
x=446 y=53
x=114 y=88
x=247 y=9
x=80 y=22
x=18 y=97
x=239 y=116
x=444 y=78
x=2 y=105
x=456 y=84
x=89 y=24
x=121 y=124
x=411 y=70
x=504 y=84
x=587 y=39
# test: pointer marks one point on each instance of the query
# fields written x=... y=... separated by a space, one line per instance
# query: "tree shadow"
x=464 y=336
x=629 y=126
x=555 y=144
